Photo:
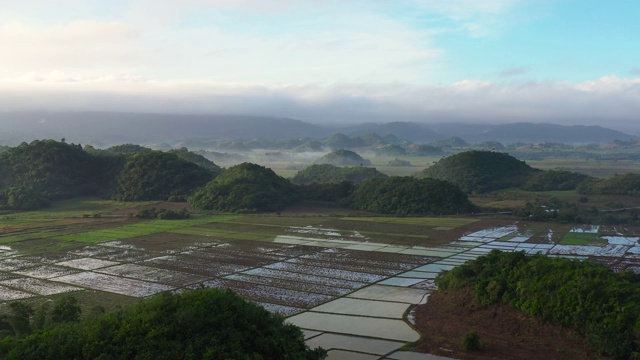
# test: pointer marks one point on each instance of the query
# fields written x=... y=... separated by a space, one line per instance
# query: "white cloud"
x=608 y=101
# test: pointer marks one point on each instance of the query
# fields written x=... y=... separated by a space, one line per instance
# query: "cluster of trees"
x=163 y=214
x=198 y=324
x=32 y=175
x=404 y=195
x=589 y=298
x=480 y=171
x=551 y=180
x=627 y=184
x=331 y=174
x=342 y=157
x=21 y=319
x=246 y=187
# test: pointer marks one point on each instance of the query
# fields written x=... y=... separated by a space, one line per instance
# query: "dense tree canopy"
x=410 y=196
x=627 y=184
x=554 y=180
x=326 y=173
x=591 y=299
x=197 y=159
x=159 y=175
x=245 y=188
x=480 y=171
x=194 y=325
x=32 y=174
x=343 y=157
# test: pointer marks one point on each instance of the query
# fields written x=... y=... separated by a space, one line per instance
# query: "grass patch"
x=139 y=229
x=574 y=238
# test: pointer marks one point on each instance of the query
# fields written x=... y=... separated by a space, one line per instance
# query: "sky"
x=496 y=61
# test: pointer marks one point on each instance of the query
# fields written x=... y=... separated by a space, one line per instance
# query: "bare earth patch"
x=506 y=332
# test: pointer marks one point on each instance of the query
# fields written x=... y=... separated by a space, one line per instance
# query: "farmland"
x=300 y=264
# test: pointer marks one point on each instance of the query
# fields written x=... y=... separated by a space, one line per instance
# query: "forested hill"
x=108 y=128
x=480 y=171
x=32 y=175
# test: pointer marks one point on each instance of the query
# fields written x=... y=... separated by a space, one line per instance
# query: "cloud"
x=635 y=71
x=609 y=101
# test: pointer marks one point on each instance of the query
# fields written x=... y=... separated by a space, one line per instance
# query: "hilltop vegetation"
x=331 y=174
x=199 y=324
x=245 y=188
x=410 y=196
x=627 y=184
x=480 y=171
x=589 y=298
x=33 y=174
x=343 y=157
x=554 y=180
x=159 y=175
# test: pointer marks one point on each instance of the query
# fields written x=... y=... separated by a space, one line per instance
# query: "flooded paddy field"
x=336 y=277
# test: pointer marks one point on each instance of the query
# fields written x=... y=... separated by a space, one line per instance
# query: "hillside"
x=480 y=171
x=326 y=173
x=103 y=129
x=343 y=157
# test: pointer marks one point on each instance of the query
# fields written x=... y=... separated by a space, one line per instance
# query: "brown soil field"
x=506 y=332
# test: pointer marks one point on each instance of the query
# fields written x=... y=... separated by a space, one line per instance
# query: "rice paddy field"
x=313 y=267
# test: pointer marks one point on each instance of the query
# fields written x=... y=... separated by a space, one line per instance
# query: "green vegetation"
x=199 y=324
x=326 y=173
x=574 y=238
x=480 y=171
x=471 y=341
x=33 y=174
x=554 y=180
x=589 y=298
x=159 y=176
x=197 y=159
x=163 y=214
x=410 y=196
x=342 y=157
x=245 y=188
x=627 y=184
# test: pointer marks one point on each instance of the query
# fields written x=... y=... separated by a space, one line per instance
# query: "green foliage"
x=425 y=150
x=471 y=341
x=198 y=324
x=342 y=157
x=33 y=174
x=627 y=184
x=554 y=180
x=338 y=193
x=157 y=175
x=163 y=214
x=591 y=299
x=326 y=173
x=126 y=149
x=410 y=196
x=480 y=171
x=197 y=159
x=245 y=188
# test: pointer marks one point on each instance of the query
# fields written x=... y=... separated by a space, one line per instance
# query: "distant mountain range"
x=109 y=128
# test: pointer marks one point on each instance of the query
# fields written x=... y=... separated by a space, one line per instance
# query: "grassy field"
x=574 y=238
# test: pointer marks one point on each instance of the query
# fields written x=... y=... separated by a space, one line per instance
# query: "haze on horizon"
x=557 y=61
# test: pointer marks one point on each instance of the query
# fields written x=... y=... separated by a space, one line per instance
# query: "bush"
x=471 y=341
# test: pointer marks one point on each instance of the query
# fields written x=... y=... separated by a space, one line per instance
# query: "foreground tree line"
x=32 y=175
x=589 y=298
x=195 y=324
